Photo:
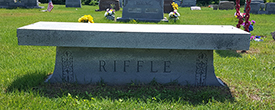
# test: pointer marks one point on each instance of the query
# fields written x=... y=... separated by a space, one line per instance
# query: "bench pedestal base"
x=120 y=66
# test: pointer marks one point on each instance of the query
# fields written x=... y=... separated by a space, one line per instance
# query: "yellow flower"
x=86 y=18
x=175 y=6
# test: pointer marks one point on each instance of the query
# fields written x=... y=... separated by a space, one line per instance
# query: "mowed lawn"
x=249 y=76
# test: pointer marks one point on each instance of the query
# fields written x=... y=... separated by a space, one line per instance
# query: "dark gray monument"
x=177 y=2
x=188 y=3
x=105 y=4
x=255 y=7
x=167 y=6
x=73 y=3
x=142 y=10
x=21 y=3
x=270 y=8
x=226 y=5
x=139 y=53
x=273 y=35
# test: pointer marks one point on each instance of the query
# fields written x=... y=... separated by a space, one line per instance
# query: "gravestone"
x=177 y=2
x=254 y=4
x=142 y=10
x=226 y=5
x=90 y=53
x=73 y=3
x=167 y=6
x=4 y=3
x=259 y=1
x=105 y=4
x=270 y=8
x=195 y=8
x=188 y=3
x=255 y=7
x=215 y=7
x=273 y=35
x=22 y=3
x=120 y=3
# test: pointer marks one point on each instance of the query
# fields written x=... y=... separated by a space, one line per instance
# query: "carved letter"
x=126 y=65
x=115 y=66
x=167 y=66
x=102 y=64
x=139 y=65
x=152 y=68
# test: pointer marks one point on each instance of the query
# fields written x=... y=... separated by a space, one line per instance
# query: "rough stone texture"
x=122 y=66
x=270 y=8
x=188 y=3
x=215 y=7
x=177 y=2
x=226 y=5
x=105 y=4
x=273 y=35
x=73 y=3
x=255 y=7
x=260 y=1
x=22 y=3
x=167 y=6
x=142 y=10
x=139 y=53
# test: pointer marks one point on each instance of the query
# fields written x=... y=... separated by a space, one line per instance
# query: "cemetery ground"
x=249 y=76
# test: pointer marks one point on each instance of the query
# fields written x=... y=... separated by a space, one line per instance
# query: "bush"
x=90 y=2
x=61 y=2
x=208 y=2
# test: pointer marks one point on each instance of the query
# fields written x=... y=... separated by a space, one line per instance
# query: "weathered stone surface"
x=177 y=2
x=73 y=3
x=226 y=5
x=22 y=3
x=188 y=3
x=167 y=6
x=139 y=53
x=255 y=7
x=142 y=10
x=122 y=66
x=270 y=8
x=206 y=37
x=105 y=4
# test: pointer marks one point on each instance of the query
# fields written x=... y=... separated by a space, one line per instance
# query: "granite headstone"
x=255 y=7
x=105 y=4
x=167 y=6
x=215 y=7
x=142 y=10
x=88 y=53
x=273 y=35
x=22 y=3
x=226 y=5
x=188 y=3
x=177 y=2
x=270 y=8
x=73 y=3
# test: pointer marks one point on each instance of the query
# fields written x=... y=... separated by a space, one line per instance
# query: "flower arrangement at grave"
x=110 y=14
x=174 y=15
x=86 y=19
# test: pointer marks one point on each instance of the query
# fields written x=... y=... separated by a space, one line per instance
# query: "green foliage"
x=23 y=69
x=54 y=1
x=208 y=2
x=90 y=2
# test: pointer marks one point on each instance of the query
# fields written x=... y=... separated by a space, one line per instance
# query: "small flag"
x=50 y=6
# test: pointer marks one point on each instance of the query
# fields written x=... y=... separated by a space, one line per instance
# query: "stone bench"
x=134 y=53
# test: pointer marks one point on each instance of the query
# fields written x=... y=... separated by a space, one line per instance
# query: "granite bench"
x=134 y=53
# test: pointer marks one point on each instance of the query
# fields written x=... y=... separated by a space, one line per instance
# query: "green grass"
x=250 y=77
